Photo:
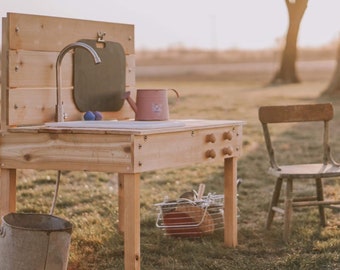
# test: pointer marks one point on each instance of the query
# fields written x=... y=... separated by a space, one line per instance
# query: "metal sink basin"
x=114 y=124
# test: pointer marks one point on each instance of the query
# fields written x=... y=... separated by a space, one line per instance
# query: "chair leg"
x=319 y=195
x=288 y=210
x=274 y=202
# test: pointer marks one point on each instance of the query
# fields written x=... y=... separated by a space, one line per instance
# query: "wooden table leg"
x=230 y=202
x=131 y=221
x=7 y=191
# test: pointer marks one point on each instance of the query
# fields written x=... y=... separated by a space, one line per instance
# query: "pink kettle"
x=151 y=104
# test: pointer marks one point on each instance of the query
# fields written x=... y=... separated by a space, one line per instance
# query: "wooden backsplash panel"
x=29 y=69
x=45 y=33
x=38 y=108
x=31 y=44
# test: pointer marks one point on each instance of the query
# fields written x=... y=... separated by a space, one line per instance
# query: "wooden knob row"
x=211 y=138
x=225 y=151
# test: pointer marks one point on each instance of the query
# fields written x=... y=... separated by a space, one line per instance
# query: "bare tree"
x=334 y=86
x=287 y=72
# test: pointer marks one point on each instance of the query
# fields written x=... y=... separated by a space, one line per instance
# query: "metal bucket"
x=34 y=242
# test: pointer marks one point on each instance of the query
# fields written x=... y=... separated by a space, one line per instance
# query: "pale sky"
x=214 y=24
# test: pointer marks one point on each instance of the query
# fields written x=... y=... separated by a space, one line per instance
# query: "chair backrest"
x=296 y=113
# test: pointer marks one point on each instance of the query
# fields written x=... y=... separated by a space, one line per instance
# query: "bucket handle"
x=55 y=193
x=2 y=231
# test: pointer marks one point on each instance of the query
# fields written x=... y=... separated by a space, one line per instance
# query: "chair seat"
x=317 y=170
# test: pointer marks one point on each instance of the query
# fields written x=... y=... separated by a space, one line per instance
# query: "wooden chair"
x=327 y=169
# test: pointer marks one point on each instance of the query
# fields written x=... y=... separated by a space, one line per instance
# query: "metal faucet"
x=60 y=116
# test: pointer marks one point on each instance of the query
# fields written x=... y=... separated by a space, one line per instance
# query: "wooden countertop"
x=126 y=126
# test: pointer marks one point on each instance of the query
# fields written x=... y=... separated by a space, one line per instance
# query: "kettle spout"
x=131 y=102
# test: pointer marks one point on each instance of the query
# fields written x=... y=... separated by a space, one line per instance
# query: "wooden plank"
x=130 y=70
x=306 y=171
x=44 y=151
x=4 y=74
x=296 y=113
x=37 y=106
x=315 y=203
x=46 y=33
x=288 y=211
x=28 y=69
x=7 y=191
x=33 y=46
x=177 y=149
x=31 y=69
x=189 y=126
x=106 y=152
x=132 y=221
x=230 y=202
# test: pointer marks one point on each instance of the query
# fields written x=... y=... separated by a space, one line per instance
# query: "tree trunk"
x=287 y=72
x=334 y=86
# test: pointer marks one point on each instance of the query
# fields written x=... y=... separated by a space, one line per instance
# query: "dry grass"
x=89 y=200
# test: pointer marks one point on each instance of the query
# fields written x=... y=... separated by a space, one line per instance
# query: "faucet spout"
x=60 y=116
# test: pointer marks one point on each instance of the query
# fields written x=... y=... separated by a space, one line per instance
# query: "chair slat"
x=296 y=113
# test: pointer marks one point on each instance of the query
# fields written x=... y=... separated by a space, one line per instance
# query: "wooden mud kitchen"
x=49 y=79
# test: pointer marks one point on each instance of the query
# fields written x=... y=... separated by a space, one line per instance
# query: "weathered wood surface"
x=30 y=47
x=32 y=44
x=46 y=33
x=43 y=151
x=329 y=168
x=124 y=152
x=296 y=113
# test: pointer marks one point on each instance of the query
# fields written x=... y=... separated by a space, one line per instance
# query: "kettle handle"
x=176 y=92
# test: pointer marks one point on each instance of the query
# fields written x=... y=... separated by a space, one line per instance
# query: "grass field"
x=89 y=199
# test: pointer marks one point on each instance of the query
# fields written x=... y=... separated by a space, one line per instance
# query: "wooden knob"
x=210 y=138
x=228 y=135
x=210 y=153
x=227 y=150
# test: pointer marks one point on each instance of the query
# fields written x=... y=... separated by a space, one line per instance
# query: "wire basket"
x=191 y=217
